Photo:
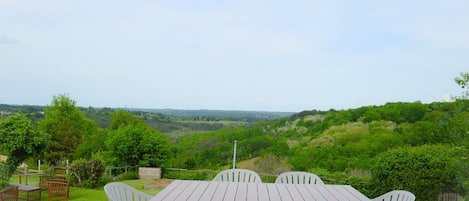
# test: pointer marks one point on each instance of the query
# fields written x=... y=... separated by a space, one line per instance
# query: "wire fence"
x=111 y=170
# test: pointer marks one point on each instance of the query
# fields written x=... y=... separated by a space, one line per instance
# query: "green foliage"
x=104 y=156
x=67 y=127
x=91 y=145
x=402 y=112
x=88 y=174
x=4 y=182
x=128 y=175
x=124 y=118
x=348 y=146
x=337 y=143
x=19 y=140
x=136 y=144
x=139 y=146
x=425 y=170
x=362 y=184
x=271 y=164
x=463 y=82
x=33 y=112
x=188 y=175
x=420 y=133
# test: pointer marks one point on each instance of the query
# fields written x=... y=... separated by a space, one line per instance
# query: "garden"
x=92 y=194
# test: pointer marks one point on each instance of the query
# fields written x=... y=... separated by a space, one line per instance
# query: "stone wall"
x=148 y=173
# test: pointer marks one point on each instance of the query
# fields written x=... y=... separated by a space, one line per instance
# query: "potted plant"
x=18 y=140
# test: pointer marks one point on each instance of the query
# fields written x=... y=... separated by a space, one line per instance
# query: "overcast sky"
x=262 y=55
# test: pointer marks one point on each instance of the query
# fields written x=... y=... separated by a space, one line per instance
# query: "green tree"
x=91 y=145
x=20 y=140
x=67 y=126
x=463 y=82
x=131 y=142
x=419 y=133
x=124 y=118
x=138 y=146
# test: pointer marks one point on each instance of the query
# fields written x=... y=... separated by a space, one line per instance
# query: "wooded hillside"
x=422 y=148
x=169 y=121
x=387 y=146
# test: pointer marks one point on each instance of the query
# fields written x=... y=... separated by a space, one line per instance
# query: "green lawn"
x=82 y=194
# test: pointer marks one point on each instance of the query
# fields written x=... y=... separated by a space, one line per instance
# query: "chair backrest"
x=298 y=178
x=9 y=193
x=57 y=190
x=448 y=197
x=396 y=195
x=59 y=173
x=117 y=191
x=238 y=175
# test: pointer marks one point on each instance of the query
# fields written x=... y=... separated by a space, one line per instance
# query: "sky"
x=252 y=55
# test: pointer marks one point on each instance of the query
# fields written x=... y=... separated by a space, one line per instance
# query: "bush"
x=104 y=180
x=88 y=174
x=18 y=140
x=361 y=184
x=425 y=171
x=188 y=174
x=128 y=176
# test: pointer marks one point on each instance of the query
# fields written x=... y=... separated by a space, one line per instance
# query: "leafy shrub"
x=19 y=140
x=425 y=171
x=88 y=174
x=188 y=174
x=361 y=184
x=128 y=175
x=104 y=180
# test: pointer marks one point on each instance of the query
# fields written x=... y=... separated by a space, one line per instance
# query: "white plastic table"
x=237 y=191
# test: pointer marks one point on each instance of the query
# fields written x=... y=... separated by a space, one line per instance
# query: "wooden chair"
x=298 y=178
x=448 y=197
x=57 y=174
x=396 y=195
x=9 y=193
x=116 y=191
x=238 y=175
x=58 y=190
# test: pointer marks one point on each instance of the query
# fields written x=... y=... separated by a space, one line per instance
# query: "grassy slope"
x=247 y=164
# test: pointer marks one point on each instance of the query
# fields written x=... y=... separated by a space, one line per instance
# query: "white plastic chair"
x=298 y=178
x=238 y=175
x=116 y=191
x=396 y=195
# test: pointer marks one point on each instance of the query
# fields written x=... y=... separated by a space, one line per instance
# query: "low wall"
x=148 y=173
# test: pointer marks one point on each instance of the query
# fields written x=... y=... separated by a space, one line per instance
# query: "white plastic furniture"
x=116 y=191
x=396 y=195
x=298 y=178
x=238 y=175
x=193 y=190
